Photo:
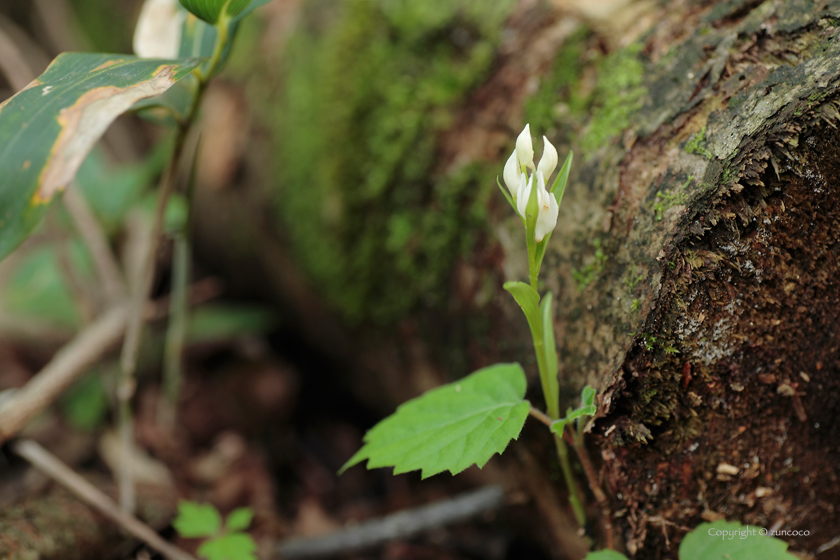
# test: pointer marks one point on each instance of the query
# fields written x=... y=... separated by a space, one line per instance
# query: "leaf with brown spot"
x=48 y=128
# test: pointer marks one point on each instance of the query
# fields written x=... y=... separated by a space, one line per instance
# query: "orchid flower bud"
x=548 y=161
x=523 y=193
x=512 y=174
x=524 y=147
x=547 y=212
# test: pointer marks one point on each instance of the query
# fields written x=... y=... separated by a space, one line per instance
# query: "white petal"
x=548 y=161
x=547 y=213
x=524 y=147
x=158 y=31
x=523 y=194
x=511 y=174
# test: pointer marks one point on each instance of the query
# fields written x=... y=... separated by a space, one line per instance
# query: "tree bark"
x=694 y=263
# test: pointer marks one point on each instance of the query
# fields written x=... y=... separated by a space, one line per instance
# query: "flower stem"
x=575 y=499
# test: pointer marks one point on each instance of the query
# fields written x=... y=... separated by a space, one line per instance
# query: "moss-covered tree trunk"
x=695 y=261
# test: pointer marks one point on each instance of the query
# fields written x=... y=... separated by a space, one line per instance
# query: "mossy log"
x=55 y=524
x=694 y=265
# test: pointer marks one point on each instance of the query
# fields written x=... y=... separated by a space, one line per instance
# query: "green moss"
x=697 y=145
x=587 y=274
x=618 y=95
x=365 y=99
x=664 y=201
x=561 y=85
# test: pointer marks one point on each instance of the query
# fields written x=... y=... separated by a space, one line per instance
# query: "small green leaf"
x=37 y=288
x=587 y=410
x=451 y=427
x=197 y=520
x=211 y=10
x=48 y=128
x=219 y=322
x=558 y=426
x=587 y=396
x=550 y=349
x=529 y=300
x=507 y=196
x=605 y=555
x=239 y=519
x=234 y=546
x=86 y=403
x=723 y=540
x=559 y=186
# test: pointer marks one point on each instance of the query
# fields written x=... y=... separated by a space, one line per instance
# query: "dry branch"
x=64 y=475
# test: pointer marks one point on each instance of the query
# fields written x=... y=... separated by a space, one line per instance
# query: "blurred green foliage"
x=369 y=85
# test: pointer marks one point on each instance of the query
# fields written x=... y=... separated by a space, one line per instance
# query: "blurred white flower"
x=158 y=31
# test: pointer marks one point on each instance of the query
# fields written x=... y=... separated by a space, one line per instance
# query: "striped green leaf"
x=48 y=128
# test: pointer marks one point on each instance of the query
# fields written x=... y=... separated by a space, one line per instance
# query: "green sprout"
x=203 y=521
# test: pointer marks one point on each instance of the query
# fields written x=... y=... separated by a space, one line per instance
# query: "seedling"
x=469 y=421
x=203 y=521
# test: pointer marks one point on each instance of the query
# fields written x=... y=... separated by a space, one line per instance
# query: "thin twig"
x=75 y=357
x=131 y=345
x=400 y=525
x=97 y=243
x=67 y=364
x=45 y=462
x=176 y=332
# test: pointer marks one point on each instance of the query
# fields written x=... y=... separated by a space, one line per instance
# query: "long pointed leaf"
x=552 y=364
x=562 y=178
x=529 y=300
x=48 y=128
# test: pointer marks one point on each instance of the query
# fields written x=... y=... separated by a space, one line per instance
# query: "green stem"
x=575 y=499
x=176 y=331
x=126 y=383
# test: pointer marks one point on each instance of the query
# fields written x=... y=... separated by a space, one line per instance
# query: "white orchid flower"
x=512 y=174
x=524 y=148
x=520 y=182
x=548 y=161
x=523 y=193
x=547 y=209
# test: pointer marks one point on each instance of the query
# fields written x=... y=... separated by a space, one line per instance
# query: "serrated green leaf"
x=239 y=519
x=605 y=555
x=235 y=546
x=197 y=520
x=723 y=540
x=451 y=427
x=48 y=128
x=529 y=300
